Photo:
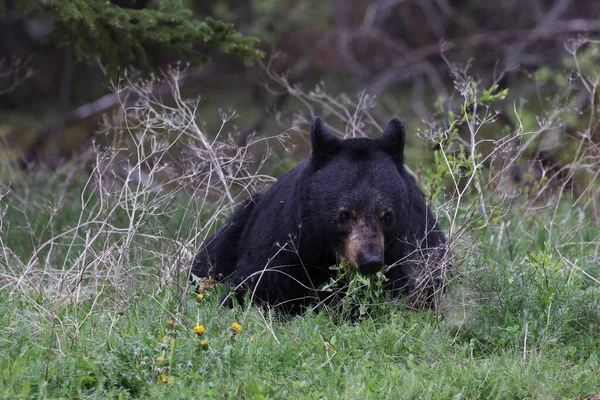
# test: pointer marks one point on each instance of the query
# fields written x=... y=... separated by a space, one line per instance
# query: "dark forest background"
x=59 y=59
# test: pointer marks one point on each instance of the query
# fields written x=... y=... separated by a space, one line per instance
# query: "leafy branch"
x=121 y=37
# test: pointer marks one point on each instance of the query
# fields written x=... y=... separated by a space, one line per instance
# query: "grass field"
x=94 y=305
x=95 y=300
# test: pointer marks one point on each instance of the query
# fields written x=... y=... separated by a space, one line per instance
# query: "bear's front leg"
x=236 y=288
x=415 y=273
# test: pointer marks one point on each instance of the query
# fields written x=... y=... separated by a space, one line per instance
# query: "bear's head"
x=358 y=201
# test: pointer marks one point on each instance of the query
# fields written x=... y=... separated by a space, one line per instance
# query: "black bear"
x=352 y=201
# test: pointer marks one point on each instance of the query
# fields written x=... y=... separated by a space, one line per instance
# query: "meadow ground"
x=94 y=305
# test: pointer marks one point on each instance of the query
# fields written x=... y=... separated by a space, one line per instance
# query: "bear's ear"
x=324 y=143
x=392 y=140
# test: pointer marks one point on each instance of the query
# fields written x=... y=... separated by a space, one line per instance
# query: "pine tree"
x=121 y=36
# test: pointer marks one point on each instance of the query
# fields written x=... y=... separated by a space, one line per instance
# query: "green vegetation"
x=96 y=302
x=520 y=318
x=105 y=351
x=128 y=37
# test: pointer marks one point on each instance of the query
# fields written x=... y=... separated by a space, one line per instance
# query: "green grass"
x=520 y=319
x=99 y=351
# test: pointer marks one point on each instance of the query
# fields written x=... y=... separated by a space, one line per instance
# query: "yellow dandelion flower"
x=199 y=297
x=163 y=378
x=252 y=338
x=204 y=344
x=199 y=329
x=170 y=323
x=237 y=328
x=160 y=360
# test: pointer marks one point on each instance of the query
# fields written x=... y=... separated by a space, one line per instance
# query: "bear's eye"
x=387 y=217
x=343 y=215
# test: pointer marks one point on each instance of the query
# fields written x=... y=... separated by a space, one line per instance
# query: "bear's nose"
x=370 y=263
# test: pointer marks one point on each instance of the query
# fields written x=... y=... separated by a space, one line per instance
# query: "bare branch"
x=13 y=73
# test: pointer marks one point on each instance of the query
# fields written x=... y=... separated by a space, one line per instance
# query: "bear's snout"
x=370 y=263
x=363 y=247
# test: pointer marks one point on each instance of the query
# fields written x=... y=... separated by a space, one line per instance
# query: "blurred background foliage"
x=58 y=60
x=106 y=193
